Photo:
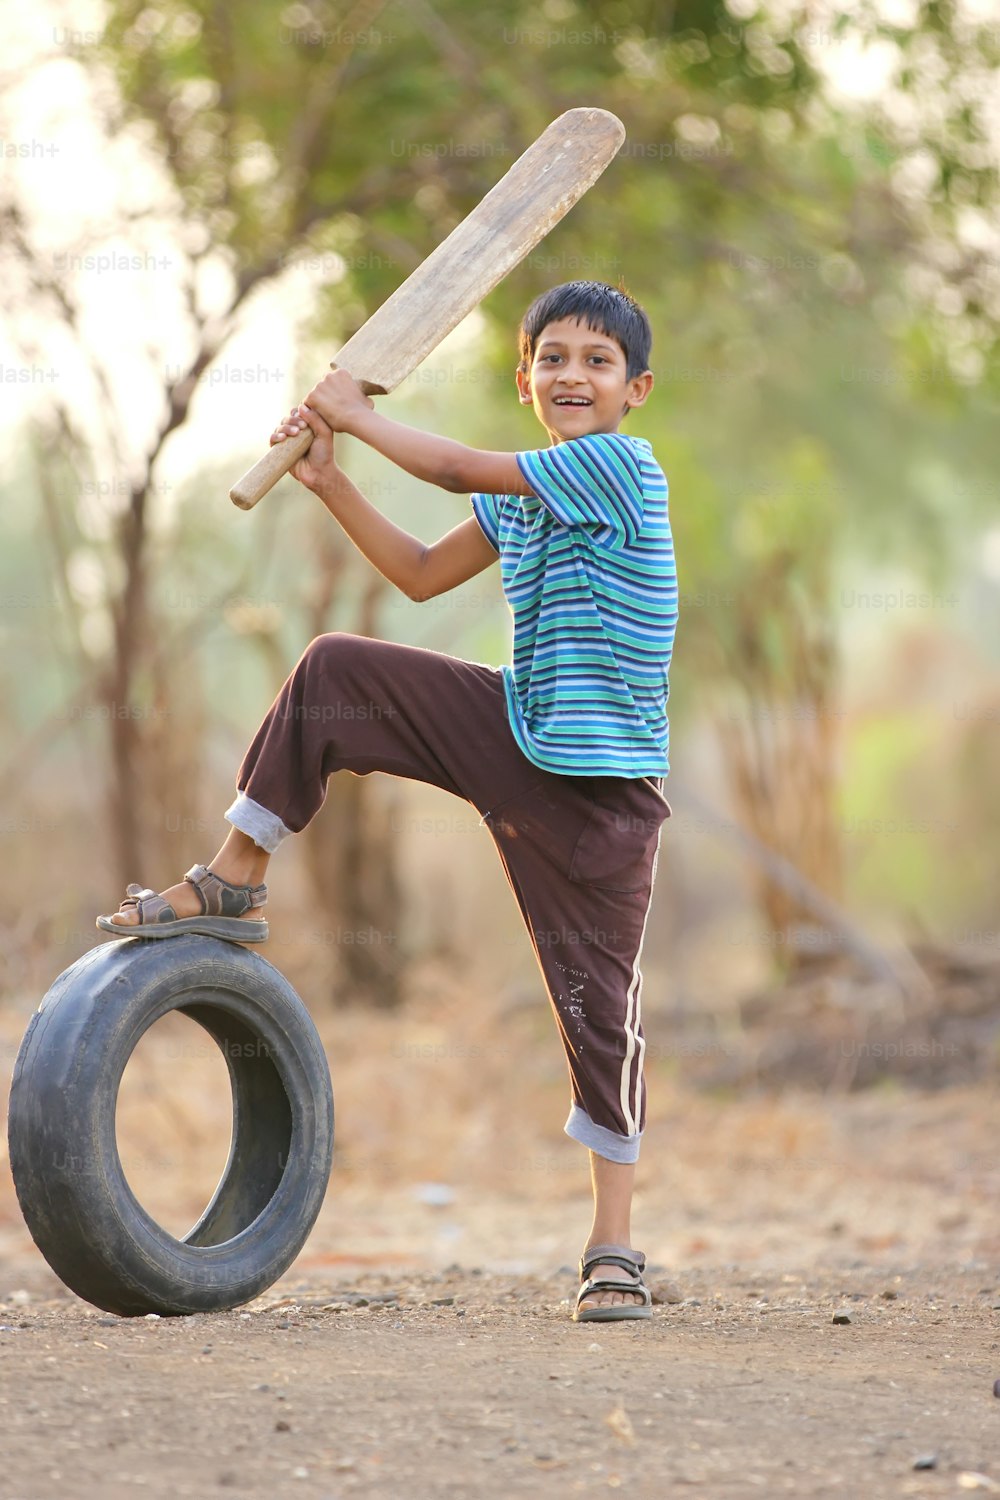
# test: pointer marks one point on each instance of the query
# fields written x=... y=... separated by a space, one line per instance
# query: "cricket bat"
x=541 y=186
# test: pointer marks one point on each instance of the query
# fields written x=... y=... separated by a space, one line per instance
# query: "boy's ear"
x=523 y=386
x=639 y=388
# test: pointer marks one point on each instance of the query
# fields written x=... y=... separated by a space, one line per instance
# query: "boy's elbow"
x=455 y=481
x=417 y=589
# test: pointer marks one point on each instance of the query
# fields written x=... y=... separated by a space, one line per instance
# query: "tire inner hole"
x=174 y=1121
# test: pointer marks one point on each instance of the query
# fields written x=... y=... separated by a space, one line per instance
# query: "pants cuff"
x=580 y=1127
x=265 y=828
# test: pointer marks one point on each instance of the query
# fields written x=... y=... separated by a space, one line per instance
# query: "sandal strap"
x=152 y=908
x=636 y=1288
x=219 y=898
x=633 y=1261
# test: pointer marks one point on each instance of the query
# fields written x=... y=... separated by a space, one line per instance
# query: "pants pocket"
x=616 y=847
x=547 y=817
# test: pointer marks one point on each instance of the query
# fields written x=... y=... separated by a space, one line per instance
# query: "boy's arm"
x=455 y=558
x=418 y=570
x=441 y=461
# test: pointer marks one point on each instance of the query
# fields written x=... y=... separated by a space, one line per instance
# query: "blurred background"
x=199 y=205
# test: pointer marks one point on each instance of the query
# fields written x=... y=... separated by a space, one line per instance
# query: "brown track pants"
x=579 y=851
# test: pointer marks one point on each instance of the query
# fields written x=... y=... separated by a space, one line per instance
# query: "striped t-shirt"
x=587 y=566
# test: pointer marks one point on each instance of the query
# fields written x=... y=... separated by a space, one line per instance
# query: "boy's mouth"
x=572 y=401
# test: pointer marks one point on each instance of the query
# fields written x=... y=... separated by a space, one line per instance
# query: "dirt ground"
x=466 y=1384
x=422 y=1344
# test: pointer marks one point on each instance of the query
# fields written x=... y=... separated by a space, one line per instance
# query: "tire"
x=81 y=1212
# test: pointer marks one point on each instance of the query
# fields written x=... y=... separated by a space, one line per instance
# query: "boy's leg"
x=357 y=704
x=580 y=855
x=361 y=705
x=613 y=1183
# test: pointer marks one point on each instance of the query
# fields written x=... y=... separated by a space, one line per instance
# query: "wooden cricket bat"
x=539 y=189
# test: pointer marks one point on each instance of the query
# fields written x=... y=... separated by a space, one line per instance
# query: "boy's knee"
x=330 y=652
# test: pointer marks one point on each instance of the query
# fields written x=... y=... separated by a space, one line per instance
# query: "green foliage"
x=825 y=389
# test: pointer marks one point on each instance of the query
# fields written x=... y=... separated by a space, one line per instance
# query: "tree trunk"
x=126 y=793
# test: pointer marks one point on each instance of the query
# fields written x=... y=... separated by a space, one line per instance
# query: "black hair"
x=606 y=309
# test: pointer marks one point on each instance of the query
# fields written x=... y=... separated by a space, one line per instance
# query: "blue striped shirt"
x=587 y=566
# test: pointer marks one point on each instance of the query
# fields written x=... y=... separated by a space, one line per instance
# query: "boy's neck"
x=555 y=439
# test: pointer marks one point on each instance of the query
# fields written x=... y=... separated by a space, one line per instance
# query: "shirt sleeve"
x=593 y=482
x=484 y=508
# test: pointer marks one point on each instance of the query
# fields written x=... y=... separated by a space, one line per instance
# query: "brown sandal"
x=221 y=907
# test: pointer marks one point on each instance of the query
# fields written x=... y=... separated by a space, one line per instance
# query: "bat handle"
x=268 y=470
x=279 y=459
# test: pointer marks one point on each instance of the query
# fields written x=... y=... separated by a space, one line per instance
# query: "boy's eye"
x=544 y=359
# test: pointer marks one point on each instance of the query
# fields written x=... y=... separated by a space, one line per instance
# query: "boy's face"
x=577 y=383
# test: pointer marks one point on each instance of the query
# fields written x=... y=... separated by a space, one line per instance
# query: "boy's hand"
x=337 y=398
x=318 y=467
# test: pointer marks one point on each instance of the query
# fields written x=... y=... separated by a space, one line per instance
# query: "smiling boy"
x=563 y=752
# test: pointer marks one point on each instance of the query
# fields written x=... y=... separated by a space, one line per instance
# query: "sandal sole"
x=230 y=929
x=613 y=1314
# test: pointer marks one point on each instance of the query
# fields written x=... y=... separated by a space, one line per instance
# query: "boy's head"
x=602 y=308
x=584 y=350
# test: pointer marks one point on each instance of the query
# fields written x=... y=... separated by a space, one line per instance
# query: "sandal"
x=221 y=908
x=632 y=1261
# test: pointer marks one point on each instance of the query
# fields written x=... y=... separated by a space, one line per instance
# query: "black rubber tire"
x=81 y=1212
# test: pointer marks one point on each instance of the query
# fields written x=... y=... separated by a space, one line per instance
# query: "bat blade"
x=537 y=191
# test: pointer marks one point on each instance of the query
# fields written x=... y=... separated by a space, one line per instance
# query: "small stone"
x=593 y=1348
x=152 y=1317
x=442 y=1302
x=282 y=1426
x=621 y=1425
x=434 y=1194
x=996 y=1387
x=926 y=1461
x=843 y=1316
x=300 y=1473
x=890 y=1294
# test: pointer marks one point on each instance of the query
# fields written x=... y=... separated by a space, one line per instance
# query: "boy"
x=563 y=753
